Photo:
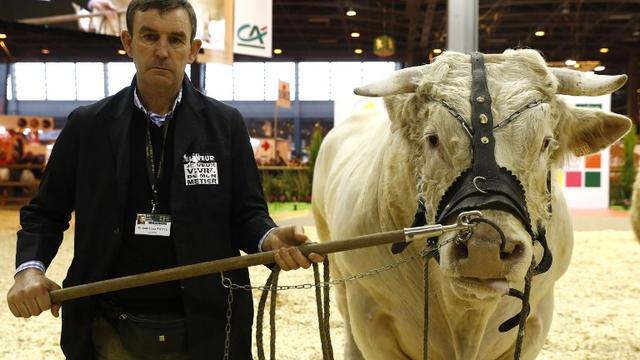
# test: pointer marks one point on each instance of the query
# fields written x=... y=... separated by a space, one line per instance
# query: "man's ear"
x=125 y=38
x=196 y=44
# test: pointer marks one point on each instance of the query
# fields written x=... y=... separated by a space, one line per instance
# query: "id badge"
x=153 y=224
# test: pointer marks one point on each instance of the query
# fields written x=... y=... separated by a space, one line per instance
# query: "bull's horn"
x=573 y=82
x=400 y=82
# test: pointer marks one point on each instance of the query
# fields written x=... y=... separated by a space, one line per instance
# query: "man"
x=190 y=172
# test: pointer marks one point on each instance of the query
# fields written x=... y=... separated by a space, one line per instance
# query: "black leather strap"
x=484 y=163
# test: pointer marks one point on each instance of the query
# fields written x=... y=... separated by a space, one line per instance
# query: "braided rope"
x=322 y=305
x=525 y=310
x=272 y=313
x=425 y=324
x=427 y=253
x=327 y=326
x=322 y=309
x=269 y=284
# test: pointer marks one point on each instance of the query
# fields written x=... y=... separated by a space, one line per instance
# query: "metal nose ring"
x=475 y=183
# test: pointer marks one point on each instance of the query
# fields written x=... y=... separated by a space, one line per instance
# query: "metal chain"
x=455 y=114
x=429 y=251
x=226 y=282
x=506 y=121
x=518 y=112
x=376 y=271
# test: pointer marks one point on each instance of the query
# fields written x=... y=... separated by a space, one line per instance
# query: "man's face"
x=161 y=47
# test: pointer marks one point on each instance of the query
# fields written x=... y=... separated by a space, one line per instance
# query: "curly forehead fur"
x=515 y=79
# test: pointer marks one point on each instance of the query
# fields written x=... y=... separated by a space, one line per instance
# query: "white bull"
x=372 y=168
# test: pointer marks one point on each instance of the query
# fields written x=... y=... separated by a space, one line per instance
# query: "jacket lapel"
x=119 y=138
x=189 y=122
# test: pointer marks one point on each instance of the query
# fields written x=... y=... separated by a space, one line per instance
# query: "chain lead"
x=227 y=283
x=427 y=251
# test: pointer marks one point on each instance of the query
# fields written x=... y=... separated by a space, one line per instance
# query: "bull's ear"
x=397 y=109
x=588 y=131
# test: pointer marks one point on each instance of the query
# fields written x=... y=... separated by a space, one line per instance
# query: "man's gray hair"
x=162 y=6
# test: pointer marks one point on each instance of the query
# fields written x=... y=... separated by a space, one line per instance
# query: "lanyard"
x=155 y=175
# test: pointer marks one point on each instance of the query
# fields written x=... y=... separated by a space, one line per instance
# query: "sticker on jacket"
x=200 y=169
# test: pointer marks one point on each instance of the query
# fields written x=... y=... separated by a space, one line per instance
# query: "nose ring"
x=475 y=183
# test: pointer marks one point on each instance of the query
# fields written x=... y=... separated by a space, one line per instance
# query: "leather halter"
x=485 y=185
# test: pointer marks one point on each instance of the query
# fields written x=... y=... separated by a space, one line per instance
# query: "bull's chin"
x=476 y=289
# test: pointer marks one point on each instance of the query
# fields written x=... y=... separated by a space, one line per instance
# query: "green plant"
x=621 y=185
x=286 y=185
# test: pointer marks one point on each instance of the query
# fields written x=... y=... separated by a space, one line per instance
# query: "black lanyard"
x=155 y=176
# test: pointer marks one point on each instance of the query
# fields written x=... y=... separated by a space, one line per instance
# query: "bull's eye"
x=433 y=140
x=548 y=143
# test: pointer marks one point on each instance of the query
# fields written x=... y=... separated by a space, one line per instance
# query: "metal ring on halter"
x=503 y=238
x=463 y=236
x=475 y=179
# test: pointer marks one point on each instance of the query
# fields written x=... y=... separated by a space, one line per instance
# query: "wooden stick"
x=216 y=266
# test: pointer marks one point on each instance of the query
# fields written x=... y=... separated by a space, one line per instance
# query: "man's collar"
x=152 y=115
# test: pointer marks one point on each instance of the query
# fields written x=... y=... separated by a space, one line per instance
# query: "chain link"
x=506 y=121
x=455 y=114
x=517 y=113
x=426 y=253
x=227 y=283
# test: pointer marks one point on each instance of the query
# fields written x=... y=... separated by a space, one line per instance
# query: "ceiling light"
x=621 y=17
x=570 y=62
x=318 y=20
x=604 y=50
x=355 y=34
x=277 y=51
x=358 y=51
x=3 y=36
x=539 y=33
x=599 y=68
x=437 y=51
x=351 y=12
x=122 y=52
x=45 y=51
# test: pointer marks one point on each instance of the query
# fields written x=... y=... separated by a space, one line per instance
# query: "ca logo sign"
x=251 y=36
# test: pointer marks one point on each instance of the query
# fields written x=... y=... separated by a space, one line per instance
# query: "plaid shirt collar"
x=157 y=119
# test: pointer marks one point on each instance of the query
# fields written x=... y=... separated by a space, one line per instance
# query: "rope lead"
x=322 y=306
x=427 y=253
x=270 y=285
x=525 y=310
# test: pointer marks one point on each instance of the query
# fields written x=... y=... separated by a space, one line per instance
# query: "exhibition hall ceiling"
x=607 y=32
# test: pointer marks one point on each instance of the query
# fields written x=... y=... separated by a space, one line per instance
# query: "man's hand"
x=284 y=240
x=29 y=295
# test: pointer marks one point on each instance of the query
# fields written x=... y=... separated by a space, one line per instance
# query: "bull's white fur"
x=370 y=171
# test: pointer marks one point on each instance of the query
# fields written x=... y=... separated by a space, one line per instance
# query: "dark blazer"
x=88 y=172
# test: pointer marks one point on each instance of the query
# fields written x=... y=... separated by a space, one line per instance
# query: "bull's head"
x=532 y=131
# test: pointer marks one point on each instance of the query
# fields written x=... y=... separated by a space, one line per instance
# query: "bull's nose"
x=481 y=255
